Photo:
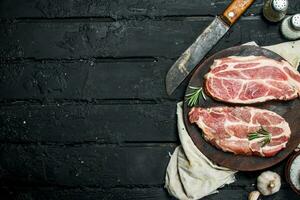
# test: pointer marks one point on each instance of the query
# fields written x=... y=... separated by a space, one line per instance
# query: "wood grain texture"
x=83 y=165
x=89 y=39
x=130 y=194
x=86 y=165
x=121 y=8
x=235 y=9
x=86 y=79
x=79 y=123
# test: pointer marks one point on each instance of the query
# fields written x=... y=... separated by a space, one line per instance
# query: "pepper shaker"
x=290 y=27
x=275 y=10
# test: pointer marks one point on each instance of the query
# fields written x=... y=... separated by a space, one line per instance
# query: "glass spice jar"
x=290 y=27
x=275 y=10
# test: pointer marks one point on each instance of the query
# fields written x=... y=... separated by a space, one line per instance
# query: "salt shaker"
x=290 y=27
x=275 y=10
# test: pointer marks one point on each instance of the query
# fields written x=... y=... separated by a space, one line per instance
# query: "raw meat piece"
x=229 y=128
x=252 y=79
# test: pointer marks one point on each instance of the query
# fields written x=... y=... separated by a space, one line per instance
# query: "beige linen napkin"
x=190 y=174
x=288 y=50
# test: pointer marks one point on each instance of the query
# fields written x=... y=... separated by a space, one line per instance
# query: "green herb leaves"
x=193 y=97
x=261 y=133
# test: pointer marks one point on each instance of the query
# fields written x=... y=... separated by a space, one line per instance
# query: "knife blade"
x=204 y=43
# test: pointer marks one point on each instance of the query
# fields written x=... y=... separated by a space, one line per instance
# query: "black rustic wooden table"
x=84 y=113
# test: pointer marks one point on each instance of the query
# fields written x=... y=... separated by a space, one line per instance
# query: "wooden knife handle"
x=235 y=10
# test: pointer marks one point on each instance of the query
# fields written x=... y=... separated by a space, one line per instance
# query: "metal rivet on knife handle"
x=235 y=10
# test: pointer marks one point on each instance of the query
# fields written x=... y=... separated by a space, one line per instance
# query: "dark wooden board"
x=288 y=110
x=88 y=123
x=90 y=165
x=76 y=39
x=153 y=193
x=85 y=165
x=54 y=193
x=39 y=166
x=86 y=79
x=121 y=8
x=68 y=68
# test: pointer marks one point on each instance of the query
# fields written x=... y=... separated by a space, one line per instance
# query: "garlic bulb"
x=268 y=183
x=253 y=195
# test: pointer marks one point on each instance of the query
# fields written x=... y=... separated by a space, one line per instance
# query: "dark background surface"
x=83 y=108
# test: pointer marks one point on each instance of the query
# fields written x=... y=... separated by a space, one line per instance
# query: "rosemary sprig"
x=193 y=97
x=261 y=133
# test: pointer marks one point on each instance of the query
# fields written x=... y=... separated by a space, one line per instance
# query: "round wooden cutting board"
x=289 y=110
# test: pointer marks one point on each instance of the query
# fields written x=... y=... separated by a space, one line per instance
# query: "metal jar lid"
x=280 y=5
x=295 y=22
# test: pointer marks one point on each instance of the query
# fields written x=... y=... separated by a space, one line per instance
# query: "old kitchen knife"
x=209 y=37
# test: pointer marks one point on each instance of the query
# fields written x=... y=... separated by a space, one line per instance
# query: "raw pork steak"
x=252 y=79
x=232 y=128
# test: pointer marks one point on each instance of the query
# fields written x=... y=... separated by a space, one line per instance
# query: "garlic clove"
x=253 y=195
x=268 y=183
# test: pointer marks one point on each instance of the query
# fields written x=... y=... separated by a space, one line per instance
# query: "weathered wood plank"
x=84 y=80
x=87 y=165
x=120 y=8
x=130 y=194
x=86 y=193
x=131 y=38
x=89 y=123
x=97 y=166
